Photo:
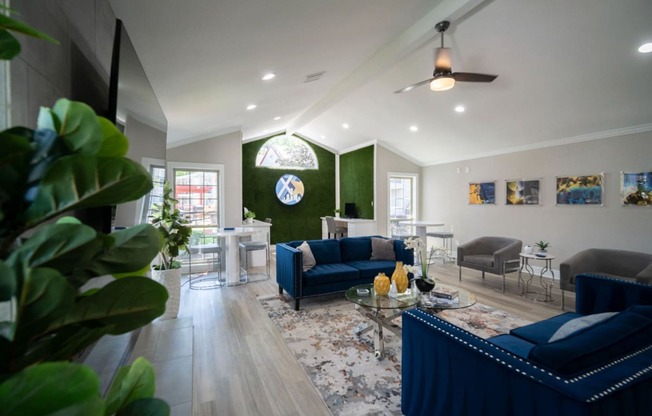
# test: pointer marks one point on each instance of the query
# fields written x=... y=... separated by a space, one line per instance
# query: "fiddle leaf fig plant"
x=73 y=160
x=172 y=226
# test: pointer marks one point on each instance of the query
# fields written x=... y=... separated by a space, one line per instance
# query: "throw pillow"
x=308 y=259
x=382 y=249
x=577 y=324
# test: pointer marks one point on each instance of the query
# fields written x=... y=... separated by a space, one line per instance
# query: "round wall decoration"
x=289 y=189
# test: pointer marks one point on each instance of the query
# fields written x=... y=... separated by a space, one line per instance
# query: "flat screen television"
x=350 y=210
x=88 y=86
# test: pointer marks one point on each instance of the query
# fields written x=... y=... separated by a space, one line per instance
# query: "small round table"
x=372 y=307
x=546 y=296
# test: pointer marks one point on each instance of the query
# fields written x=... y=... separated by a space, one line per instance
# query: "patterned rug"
x=342 y=366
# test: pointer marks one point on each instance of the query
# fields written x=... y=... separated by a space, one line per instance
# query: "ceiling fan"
x=443 y=78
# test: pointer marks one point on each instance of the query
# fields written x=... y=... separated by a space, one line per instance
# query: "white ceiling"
x=568 y=70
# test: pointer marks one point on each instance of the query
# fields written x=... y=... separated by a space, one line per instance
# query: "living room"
x=563 y=141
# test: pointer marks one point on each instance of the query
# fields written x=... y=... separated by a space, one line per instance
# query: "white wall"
x=386 y=162
x=569 y=229
x=225 y=150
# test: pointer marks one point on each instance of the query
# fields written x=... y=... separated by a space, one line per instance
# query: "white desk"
x=421 y=228
x=356 y=227
x=232 y=249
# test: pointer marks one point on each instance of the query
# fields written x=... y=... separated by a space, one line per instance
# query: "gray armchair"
x=496 y=255
x=628 y=265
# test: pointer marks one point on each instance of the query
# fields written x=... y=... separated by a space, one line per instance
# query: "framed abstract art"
x=482 y=193
x=636 y=188
x=522 y=192
x=580 y=190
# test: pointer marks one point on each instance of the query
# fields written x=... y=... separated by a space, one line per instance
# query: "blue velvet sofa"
x=340 y=264
x=604 y=369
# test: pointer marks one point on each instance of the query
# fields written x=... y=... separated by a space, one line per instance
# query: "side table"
x=546 y=296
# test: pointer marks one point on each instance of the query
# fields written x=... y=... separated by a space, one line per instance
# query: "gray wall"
x=569 y=229
x=42 y=72
x=225 y=150
x=387 y=162
x=144 y=141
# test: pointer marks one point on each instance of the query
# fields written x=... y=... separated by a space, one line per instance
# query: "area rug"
x=342 y=366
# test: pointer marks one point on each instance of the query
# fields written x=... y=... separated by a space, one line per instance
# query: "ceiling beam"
x=387 y=56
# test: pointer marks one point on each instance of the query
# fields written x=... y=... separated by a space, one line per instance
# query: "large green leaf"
x=82 y=181
x=59 y=388
x=8 y=23
x=9 y=45
x=76 y=123
x=136 y=381
x=45 y=296
x=114 y=143
x=56 y=244
x=127 y=304
x=146 y=407
x=131 y=251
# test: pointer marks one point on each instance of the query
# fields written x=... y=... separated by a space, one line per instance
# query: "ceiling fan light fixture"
x=442 y=83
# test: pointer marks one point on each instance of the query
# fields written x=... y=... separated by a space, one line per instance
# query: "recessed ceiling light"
x=345 y=125
x=277 y=118
x=645 y=48
x=460 y=109
x=322 y=136
x=269 y=76
x=414 y=128
x=251 y=106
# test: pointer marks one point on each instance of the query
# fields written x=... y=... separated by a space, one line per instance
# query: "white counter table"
x=356 y=227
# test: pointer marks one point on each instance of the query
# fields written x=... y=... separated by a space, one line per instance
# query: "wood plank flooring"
x=241 y=366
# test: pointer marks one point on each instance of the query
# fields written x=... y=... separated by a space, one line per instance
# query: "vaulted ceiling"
x=568 y=70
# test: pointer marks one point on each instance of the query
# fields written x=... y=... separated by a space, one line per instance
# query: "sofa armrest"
x=403 y=254
x=508 y=253
x=597 y=294
x=289 y=269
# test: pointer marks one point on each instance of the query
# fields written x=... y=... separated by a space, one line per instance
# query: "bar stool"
x=447 y=240
x=248 y=246
x=334 y=229
x=207 y=281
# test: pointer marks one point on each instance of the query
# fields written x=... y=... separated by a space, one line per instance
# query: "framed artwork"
x=522 y=192
x=289 y=189
x=580 y=190
x=636 y=188
x=482 y=193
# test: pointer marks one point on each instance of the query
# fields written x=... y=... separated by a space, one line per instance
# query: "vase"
x=423 y=285
x=400 y=277
x=381 y=284
x=171 y=279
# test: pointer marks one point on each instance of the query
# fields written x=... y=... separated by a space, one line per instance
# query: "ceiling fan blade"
x=473 y=77
x=413 y=86
x=443 y=59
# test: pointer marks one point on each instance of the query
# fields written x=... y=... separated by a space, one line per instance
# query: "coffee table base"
x=378 y=322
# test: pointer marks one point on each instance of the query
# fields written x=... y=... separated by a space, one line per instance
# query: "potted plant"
x=175 y=232
x=542 y=246
x=422 y=280
x=337 y=212
x=249 y=216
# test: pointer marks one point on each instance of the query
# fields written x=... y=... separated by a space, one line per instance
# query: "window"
x=198 y=189
x=286 y=152
x=402 y=201
x=155 y=196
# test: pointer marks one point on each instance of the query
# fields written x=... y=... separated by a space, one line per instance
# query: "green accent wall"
x=357 y=180
x=289 y=222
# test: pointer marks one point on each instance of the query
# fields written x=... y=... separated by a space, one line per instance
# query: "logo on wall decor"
x=289 y=189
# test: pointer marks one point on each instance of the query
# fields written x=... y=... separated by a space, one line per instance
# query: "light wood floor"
x=241 y=366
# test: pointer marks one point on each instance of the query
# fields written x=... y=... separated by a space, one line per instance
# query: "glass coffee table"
x=464 y=299
x=380 y=310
